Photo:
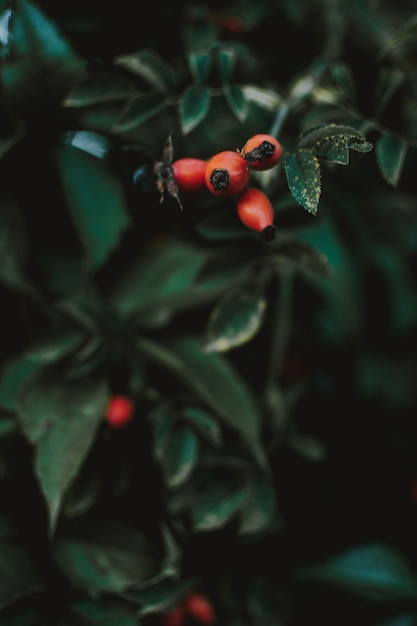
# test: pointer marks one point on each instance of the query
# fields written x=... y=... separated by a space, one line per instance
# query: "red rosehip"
x=119 y=411
x=173 y=617
x=189 y=174
x=227 y=173
x=262 y=152
x=199 y=607
x=256 y=212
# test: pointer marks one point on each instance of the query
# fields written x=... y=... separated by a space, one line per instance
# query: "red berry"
x=262 y=151
x=199 y=607
x=189 y=174
x=227 y=173
x=174 y=617
x=119 y=411
x=256 y=212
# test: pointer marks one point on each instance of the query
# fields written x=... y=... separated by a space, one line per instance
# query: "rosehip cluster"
x=226 y=174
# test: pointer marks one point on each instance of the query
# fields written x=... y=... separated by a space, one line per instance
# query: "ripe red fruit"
x=173 y=617
x=256 y=212
x=262 y=152
x=119 y=411
x=189 y=174
x=199 y=607
x=227 y=173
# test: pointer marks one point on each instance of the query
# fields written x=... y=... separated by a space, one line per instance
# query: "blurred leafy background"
x=271 y=462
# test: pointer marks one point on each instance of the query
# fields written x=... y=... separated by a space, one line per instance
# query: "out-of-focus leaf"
x=235 y=320
x=13 y=246
x=60 y=417
x=405 y=35
x=180 y=458
x=200 y=65
x=221 y=227
x=92 y=143
x=204 y=423
x=338 y=318
x=226 y=61
x=97 y=202
x=216 y=506
x=161 y=596
x=402 y=619
x=139 y=110
x=389 y=378
x=343 y=78
x=107 y=557
x=193 y=107
x=215 y=382
x=376 y=571
x=99 y=614
x=305 y=258
x=389 y=80
x=236 y=99
x=150 y=67
x=159 y=282
x=304 y=180
x=98 y=88
x=260 y=508
x=14 y=374
x=41 y=65
x=18 y=574
x=390 y=155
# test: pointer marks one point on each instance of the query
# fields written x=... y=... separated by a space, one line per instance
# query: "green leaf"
x=376 y=571
x=260 y=508
x=99 y=614
x=307 y=259
x=390 y=155
x=203 y=422
x=13 y=246
x=235 y=320
x=216 y=506
x=150 y=67
x=226 y=61
x=107 y=557
x=302 y=170
x=342 y=76
x=193 y=107
x=334 y=142
x=139 y=109
x=388 y=82
x=15 y=373
x=163 y=421
x=96 y=200
x=405 y=35
x=18 y=574
x=60 y=417
x=180 y=458
x=99 y=88
x=215 y=382
x=237 y=101
x=41 y=65
x=200 y=65
x=159 y=282
x=162 y=596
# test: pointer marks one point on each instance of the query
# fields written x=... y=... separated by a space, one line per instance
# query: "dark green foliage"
x=271 y=459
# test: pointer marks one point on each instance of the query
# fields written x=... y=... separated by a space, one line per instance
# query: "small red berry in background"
x=199 y=607
x=119 y=411
x=173 y=617
x=255 y=211
x=227 y=173
x=189 y=175
x=262 y=152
